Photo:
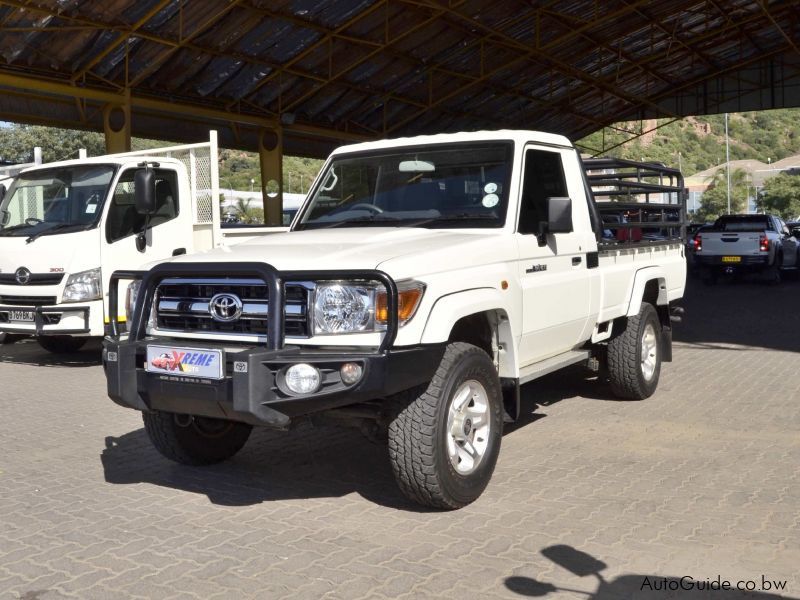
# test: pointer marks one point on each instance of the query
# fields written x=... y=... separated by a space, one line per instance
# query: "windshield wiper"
x=458 y=217
x=14 y=228
x=365 y=219
x=49 y=230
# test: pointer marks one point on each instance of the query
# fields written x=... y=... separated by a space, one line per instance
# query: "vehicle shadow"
x=29 y=352
x=741 y=313
x=572 y=382
x=633 y=586
x=306 y=462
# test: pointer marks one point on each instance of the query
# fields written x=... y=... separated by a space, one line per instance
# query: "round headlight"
x=342 y=308
x=302 y=379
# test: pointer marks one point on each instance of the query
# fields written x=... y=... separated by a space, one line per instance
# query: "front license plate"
x=185 y=362
x=731 y=259
x=25 y=316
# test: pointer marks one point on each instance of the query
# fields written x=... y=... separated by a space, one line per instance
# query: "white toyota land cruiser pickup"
x=421 y=283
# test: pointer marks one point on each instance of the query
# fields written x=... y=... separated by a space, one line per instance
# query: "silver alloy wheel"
x=468 y=427
x=649 y=351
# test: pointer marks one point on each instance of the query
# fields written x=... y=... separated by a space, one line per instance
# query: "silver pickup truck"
x=740 y=243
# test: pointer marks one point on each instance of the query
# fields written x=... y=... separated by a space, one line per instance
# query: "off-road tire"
x=418 y=432
x=625 y=371
x=61 y=344
x=194 y=440
x=772 y=274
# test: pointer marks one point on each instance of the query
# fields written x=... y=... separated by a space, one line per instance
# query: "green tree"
x=781 y=194
x=18 y=141
x=715 y=198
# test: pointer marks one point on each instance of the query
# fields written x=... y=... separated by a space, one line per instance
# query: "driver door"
x=169 y=230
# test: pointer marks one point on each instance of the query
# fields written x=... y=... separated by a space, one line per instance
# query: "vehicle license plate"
x=731 y=259
x=21 y=315
x=186 y=362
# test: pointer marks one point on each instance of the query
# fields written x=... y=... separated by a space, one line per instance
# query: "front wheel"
x=61 y=344
x=444 y=439
x=634 y=356
x=193 y=440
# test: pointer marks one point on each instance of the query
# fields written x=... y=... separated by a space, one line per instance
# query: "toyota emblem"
x=225 y=307
x=22 y=275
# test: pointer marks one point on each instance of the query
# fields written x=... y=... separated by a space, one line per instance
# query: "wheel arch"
x=479 y=317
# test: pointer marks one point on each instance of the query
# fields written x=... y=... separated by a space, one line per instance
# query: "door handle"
x=576 y=260
x=178 y=251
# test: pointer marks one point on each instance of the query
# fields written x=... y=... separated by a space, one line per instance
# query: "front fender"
x=449 y=309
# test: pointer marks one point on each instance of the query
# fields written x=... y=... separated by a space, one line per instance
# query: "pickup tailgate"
x=731 y=243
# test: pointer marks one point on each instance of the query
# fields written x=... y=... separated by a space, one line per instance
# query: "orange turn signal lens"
x=407 y=302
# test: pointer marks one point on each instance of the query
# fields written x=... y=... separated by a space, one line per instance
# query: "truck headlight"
x=341 y=308
x=351 y=308
x=130 y=298
x=83 y=286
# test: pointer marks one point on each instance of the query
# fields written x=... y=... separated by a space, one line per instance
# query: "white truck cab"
x=65 y=227
x=422 y=282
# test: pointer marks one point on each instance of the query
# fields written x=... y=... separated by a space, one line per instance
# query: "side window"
x=543 y=178
x=124 y=221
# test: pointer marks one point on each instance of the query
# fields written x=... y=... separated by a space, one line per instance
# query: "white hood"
x=393 y=249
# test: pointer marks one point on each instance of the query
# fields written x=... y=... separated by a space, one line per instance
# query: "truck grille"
x=28 y=300
x=182 y=305
x=35 y=279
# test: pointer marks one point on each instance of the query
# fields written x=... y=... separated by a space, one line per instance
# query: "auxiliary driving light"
x=302 y=378
x=350 y=372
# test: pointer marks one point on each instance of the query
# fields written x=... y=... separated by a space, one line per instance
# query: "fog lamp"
x=302 y=378
x=350 y=372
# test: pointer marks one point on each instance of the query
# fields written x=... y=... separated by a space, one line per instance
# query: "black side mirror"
x=2 y=192
x=144 y=182
x=559 y=215
x=559 y=218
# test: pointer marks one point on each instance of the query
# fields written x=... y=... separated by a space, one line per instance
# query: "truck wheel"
x=195 y=440
x=634 y=356
x=61 y=344
x=444 y=439
x=772 y=274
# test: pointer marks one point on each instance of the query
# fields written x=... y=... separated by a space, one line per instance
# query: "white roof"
x=105 y=160
x=516 y=135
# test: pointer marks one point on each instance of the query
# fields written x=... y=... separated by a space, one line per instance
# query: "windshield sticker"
x=472 y=188
x=490 y=200
x=490 y=188
x=91 y=208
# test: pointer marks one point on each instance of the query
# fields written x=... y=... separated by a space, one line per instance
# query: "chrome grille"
x=182 y=305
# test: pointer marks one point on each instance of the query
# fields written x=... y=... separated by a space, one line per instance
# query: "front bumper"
x=249 y=391
x=66 y=319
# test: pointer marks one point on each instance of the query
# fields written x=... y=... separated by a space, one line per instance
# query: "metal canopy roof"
x=340 y=70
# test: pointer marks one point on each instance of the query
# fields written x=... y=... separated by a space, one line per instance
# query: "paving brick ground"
x=590 y=497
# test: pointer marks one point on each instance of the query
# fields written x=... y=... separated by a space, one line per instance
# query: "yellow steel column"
x=117 y=126
x=270 y=153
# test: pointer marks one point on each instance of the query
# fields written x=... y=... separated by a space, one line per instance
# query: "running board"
x=540 y=369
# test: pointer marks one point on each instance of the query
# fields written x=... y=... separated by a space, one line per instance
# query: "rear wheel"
x=634 y=356
x=193 y=440
x=772 y=275
x=444 y=439
x=61 y=344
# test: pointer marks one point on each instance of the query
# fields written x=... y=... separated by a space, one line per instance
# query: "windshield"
x=754 y=223
x=55 y=200
x=441 y=186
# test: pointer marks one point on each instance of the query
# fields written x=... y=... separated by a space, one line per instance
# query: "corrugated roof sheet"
x=399 y=67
